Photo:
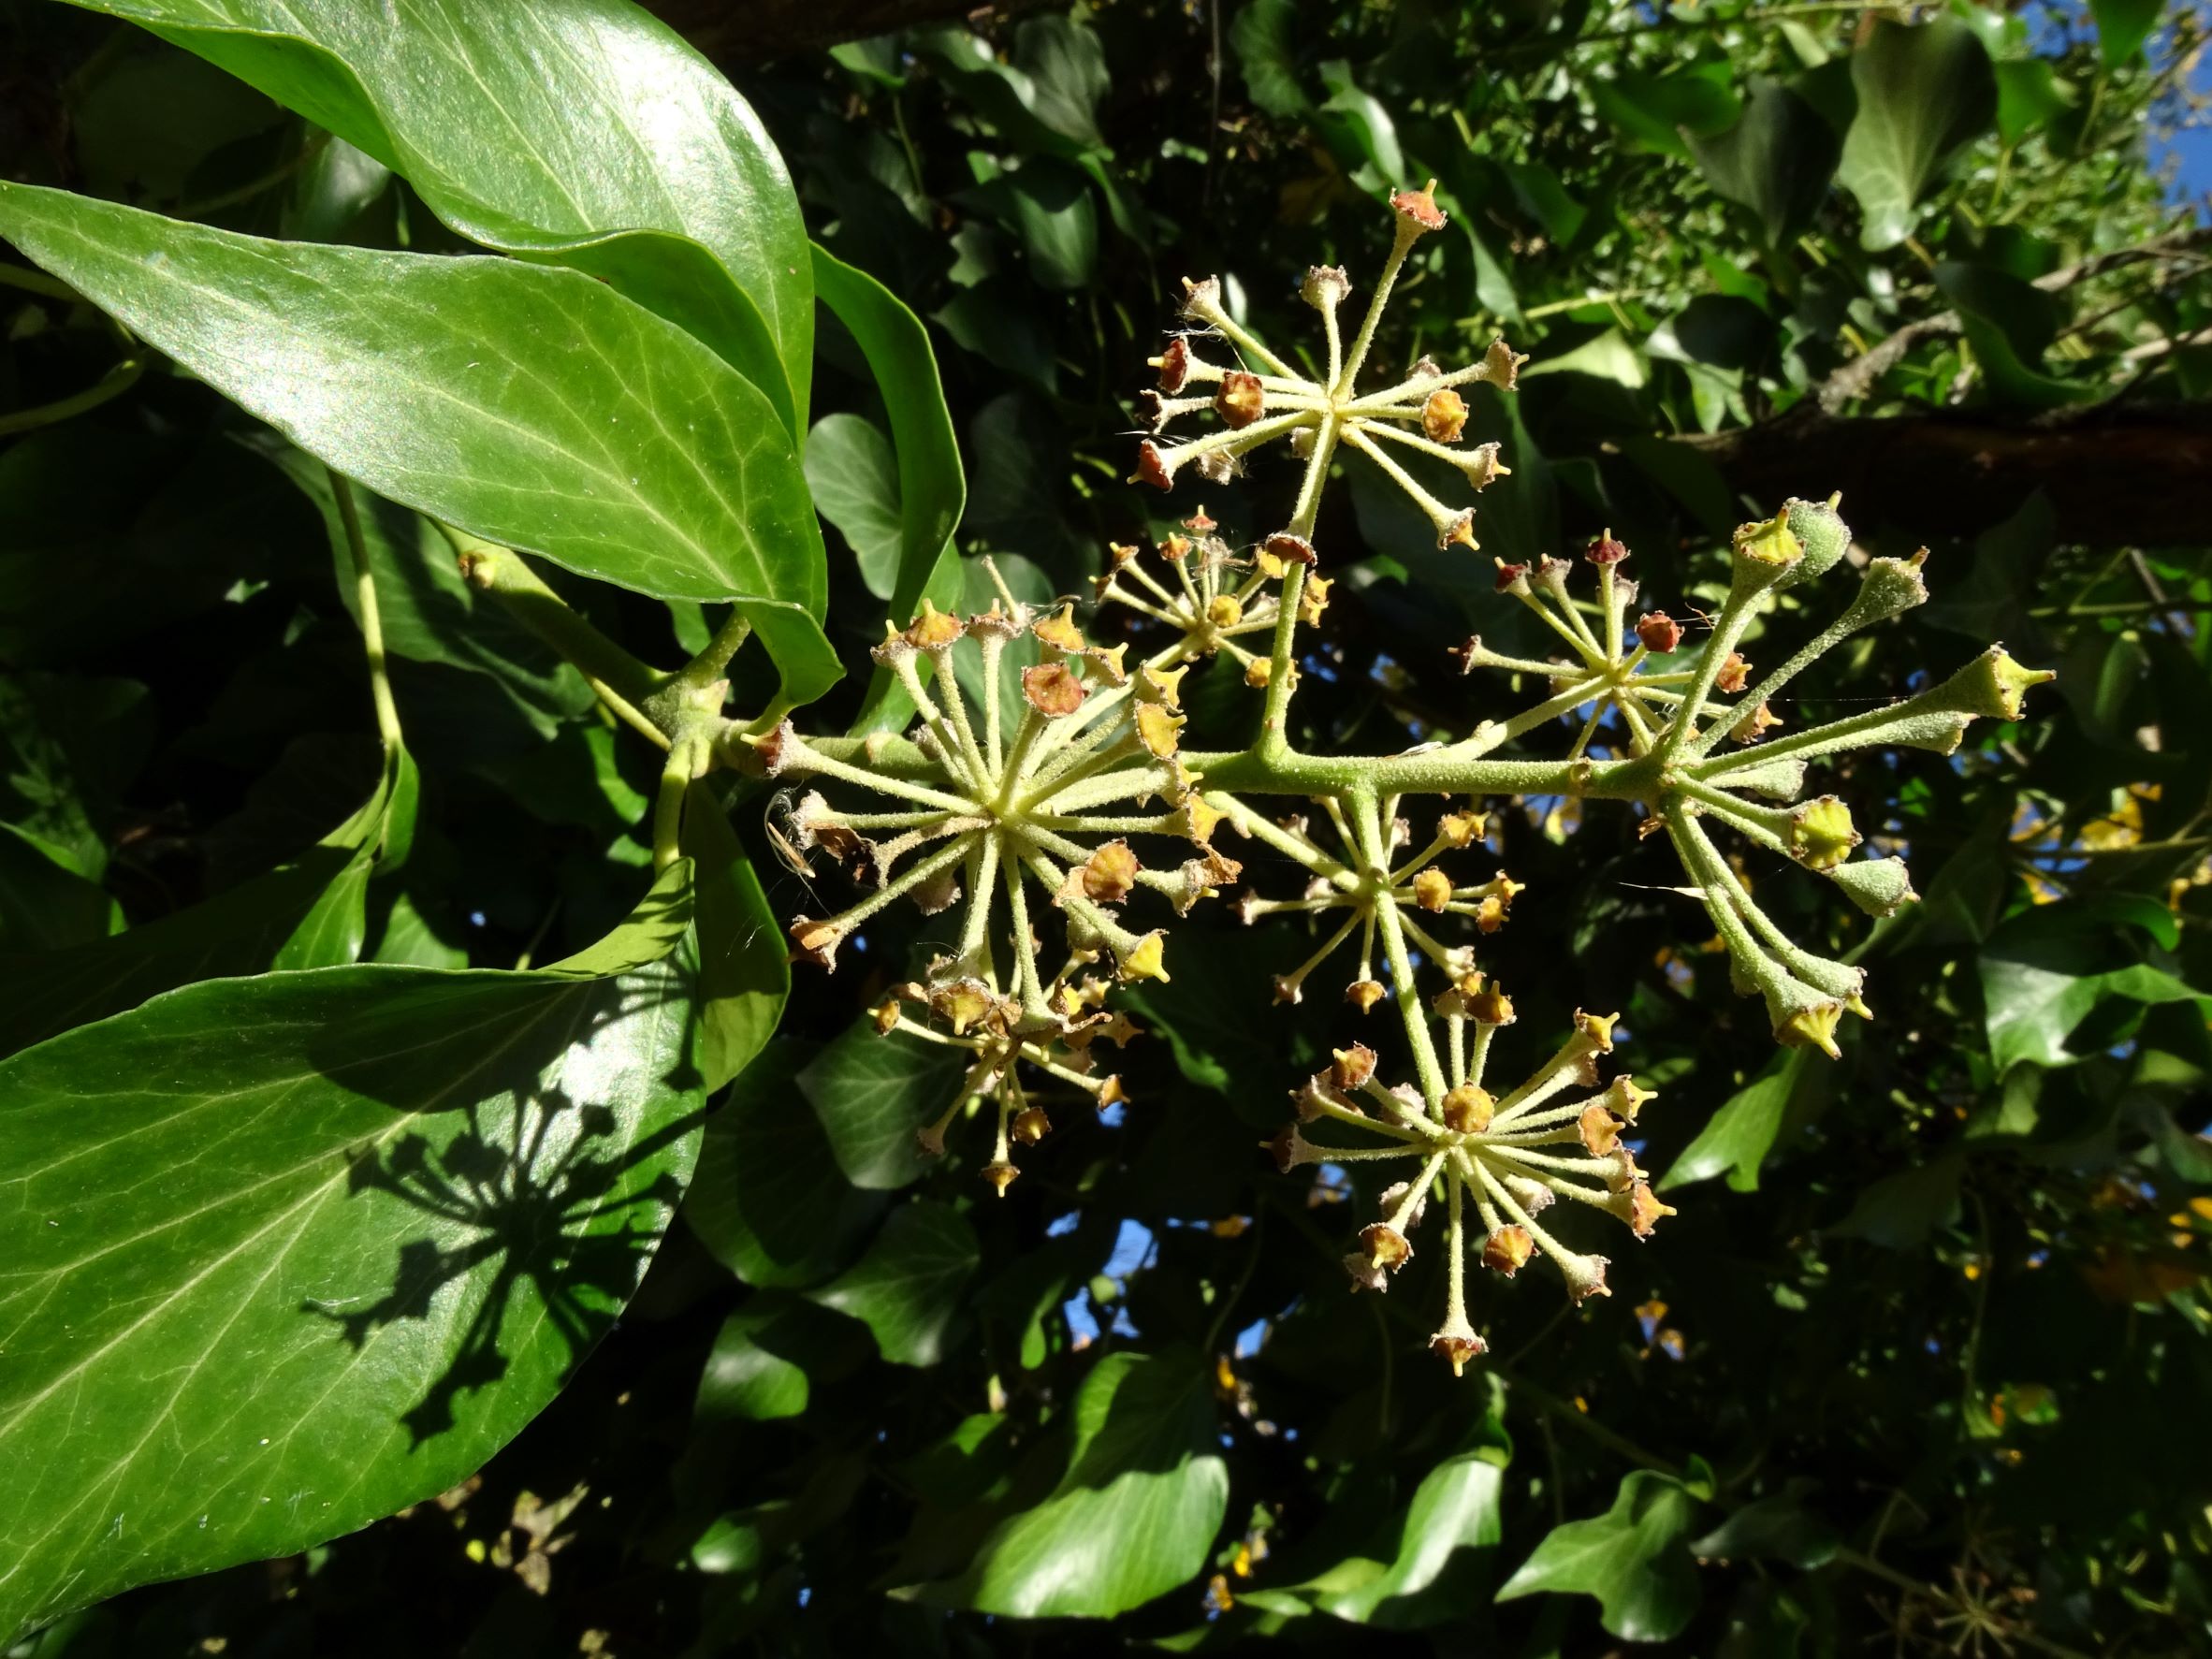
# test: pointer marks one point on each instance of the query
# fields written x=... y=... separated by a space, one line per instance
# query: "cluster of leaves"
x=1924 y=1363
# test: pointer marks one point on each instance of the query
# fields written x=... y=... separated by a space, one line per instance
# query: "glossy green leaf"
x=1901 y=1209
x=287 y=1253
x=46 y=901
x=534 y=407
x=907 y=1289
x=2123 y=26
x=744 y=971
x=1057 y=221
x=1043 y=94
x=854 y=476
x=308 y=913
x=932 y=489
x=746 y=1377
x=2044 y=972
x=1453 y=1522
x=770 y=1203
x=2029 y=92
x=2009 y=322
x=1654 y=110
x=1777 y=160
x=1923 y=92
x=1634 y=1559
x=581 y=132
x=1782 y=1527
x=871 y=1093
x=1137 y=1511
x=1261 y=38
x=1736 y=1140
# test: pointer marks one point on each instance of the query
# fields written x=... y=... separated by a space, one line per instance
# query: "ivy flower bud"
x=1364 y=994
x=1030 y=1125
x=1417 y=209
x=1820 y=835
x=1532 y=1195
x=1491 y=1008
x=1384 y=1245
x=1153 y=467
x=1770 y=542
x=1467 y=1109
x=1052 y=690
x=1109 y=873
x=1878 y=886
x=1241 y=399
x=817 y=942
x=1458 y=1342
x=1600 y=1130
x=1000 y=1175
x=1993 y=685
x=1734 y=674
x=1443 y=416
x=1508 y=1249
x=1325 y=287
x=1605 y=551
x=1174 y=365
x=1821 y=532
x=1513 y=579
x=1353 y=1067
x=1431 y=889
x=1659 y=632
x=1288 y=548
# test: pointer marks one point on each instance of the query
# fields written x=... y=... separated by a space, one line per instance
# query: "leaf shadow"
x=526 y=1189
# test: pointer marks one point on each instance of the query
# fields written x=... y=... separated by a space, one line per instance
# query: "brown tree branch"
x=2116 y=476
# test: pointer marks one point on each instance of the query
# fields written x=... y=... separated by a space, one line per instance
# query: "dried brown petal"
x=1052 y=690
x=1241 y=400
x=1443 y=416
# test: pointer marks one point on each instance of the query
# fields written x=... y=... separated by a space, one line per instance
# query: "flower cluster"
x=980 y=817
x=1264 y=399
x=1361 y=879
x=1697 y=736
x=1054 y=809
x=1506 y=1157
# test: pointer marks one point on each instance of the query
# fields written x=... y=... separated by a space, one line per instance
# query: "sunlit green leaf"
x=907 y=1289
x=533 y=407
x=287 y=1253
x=1923 y=92
x=1136 y=1512
x=582 y=132
x=1634 y=1559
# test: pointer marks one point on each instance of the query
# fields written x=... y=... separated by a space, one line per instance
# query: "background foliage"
x=1919 y=1360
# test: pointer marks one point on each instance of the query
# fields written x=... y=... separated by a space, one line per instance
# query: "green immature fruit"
x=1878 y=886
x=1821 y=532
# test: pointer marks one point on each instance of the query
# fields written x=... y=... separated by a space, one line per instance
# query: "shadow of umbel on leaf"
x=534 y=1194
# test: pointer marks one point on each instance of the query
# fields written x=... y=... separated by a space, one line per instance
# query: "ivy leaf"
x=747 y=1376
x=2122 y=26
x=1134 y=1515
x=744 y=974
x=770 y=1203
x=1654 y=110
x=46 y=901
x=2043 y=972
x=308 y=912
x=854 y=476
x=290 y=1253
x=533 y=407
x=906 y=1290
x=1736 y=1140
x=1260 y=37
x=1923 y=92
x=1780 y=1527
x=871 y=1092
x=580 y=132
x=1633 y=1558
x=1454 y=1523
x=1776 y=160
